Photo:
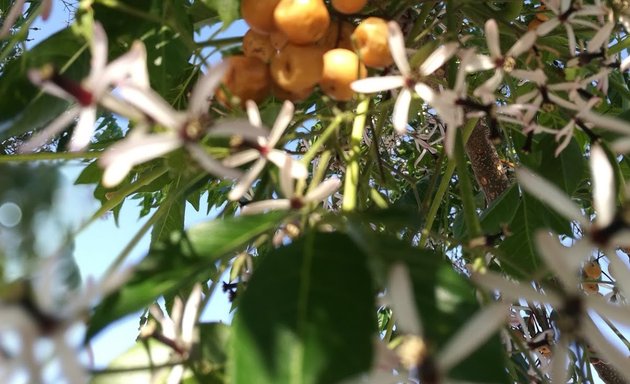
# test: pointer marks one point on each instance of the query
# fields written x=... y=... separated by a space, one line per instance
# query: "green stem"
x=466 y=190
x=446 y=178
x=312 y=152
x=352 y=170
x=225 y=42
x=24 y=157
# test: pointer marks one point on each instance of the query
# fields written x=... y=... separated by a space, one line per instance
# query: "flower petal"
x=479 y=63
x=377 y=84
x=240 y=158
x=51 y=130
x=559 y=372
x=396 y=43
x=323 y=190
x=210 y=164
x=265 y=205
x=253 y=114
x=513 y=290
x=492 y=38
x=603 y=186
x=549 y=194
x=204 y=89
x=601 y=37
x=84 y=129
x=400 y=294
x=281 y=160
x=400 y=115
x=282 y=122
x=98 y=50
x=153 y=105
x=621 y=273
x=247 y=180
x=558 y=259
x=523 y=44
x=436 y=59
x=473 y=334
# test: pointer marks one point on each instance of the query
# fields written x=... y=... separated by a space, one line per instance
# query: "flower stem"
x=24 y=157
x=351 y=182
x=312 y=152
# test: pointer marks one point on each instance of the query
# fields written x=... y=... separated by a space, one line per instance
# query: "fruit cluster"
x=293 y=46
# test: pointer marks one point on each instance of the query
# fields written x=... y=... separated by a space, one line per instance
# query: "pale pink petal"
x=240 y=158
x=601 y=38
x=280 y=159
x=11 y=17
x=237 y=127
x=547 y=26
x=559 y=372
x=492 y=38
x=609 y=123
x=98 y=50
x=84 y=129
x=46 y=8
x=425 y=92
x=247 y=180
x=204 y=89
x=131 y=66
x=400 y=115
x=622 y=145
x=377 y=84
x=571 y=38
x=286 y=181
x=474 y=333
x=266 y=205
x=323 y=190
x=490 y=85
x=153 y=105
x=51 y=130
x=190 y=314
x=513 y=290
x=603 y=348
x=449 y=141
x=210 y=164
x=479 y=63
x=436 y=59
x=613 y=312
x=35 y=76
x=140 y=149
x=621 y=272
x=603 y=186
x=549 y=194
x=401 y=296
x=537 y=76
x=115 y=172
x=523 y=44
x=397 y=47
x=561 y=261
x=282 y=122
x=253 y=114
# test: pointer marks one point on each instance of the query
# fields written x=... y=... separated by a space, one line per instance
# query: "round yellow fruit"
x=258 y=45
x=295 y=96
x=592 y=270
x=348 y=6
x=341 y=68
x=247 y=78
x=297 y=67
x=278 y=39
x=302 y=21
x=370 y=38
x=259 y=14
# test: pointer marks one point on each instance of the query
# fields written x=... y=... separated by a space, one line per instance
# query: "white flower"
x=502 y=63
x=572 y=305
x=567 y=13
x=468 y=338
x=263 y=150
x=93 y=90
x=408 y=80
x=183 y=129
x=292 y=199
x=606 y=230
x=45 y=319
x=16 y=11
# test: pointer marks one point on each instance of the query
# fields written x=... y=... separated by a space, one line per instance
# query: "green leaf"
x=29 y=109
x=170 y=266
x=519 y=255
x=142 y=363
x=173 y=219
x=445 y=300
x=501 y=211
x=567 y=170
x=228 y=11
x=307 y=316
